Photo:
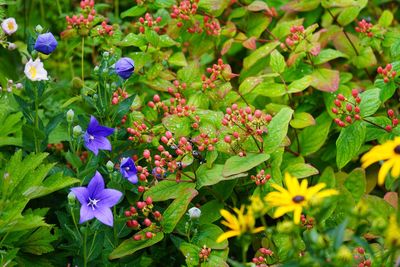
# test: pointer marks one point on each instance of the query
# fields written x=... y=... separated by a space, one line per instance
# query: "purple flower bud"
x=46 y=43
x=124 y=67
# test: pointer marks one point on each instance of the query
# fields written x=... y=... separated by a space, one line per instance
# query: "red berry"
x=147 y=222
x=388 y=128
x=146 y=154
x=149 y=201
x=357 y=110
x=390 y=113
x=149 y=235
x=334 y=110
x=140 y=205
x=341 y=97
x=128 y=213
x=349 y=107
x=395 y=122
x=137 y=237
x=357 y=117
x=354 y=93
x=227 y=139
x=360 y=250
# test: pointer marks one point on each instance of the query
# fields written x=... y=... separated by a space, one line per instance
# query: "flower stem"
x=36 y=122
x=84 y=246
x=82 y=57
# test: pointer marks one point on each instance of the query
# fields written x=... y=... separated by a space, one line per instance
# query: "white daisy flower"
x=9 y=26
x=34 y=70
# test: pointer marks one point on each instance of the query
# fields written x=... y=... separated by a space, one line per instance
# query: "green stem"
x=74 y=220
x=116 y=6
x=82 y=57
x=59 y=7
x=84 y=246
x=36 y=122
x=42 y=11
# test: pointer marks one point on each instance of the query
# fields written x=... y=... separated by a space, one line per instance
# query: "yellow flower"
x=296 y=197
x=393 y=232
x=390 y=153
x=240 y=224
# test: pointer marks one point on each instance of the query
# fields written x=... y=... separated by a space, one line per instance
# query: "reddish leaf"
x=250 y=43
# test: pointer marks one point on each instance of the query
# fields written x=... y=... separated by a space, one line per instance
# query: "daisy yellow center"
x=33 y=72
x=397 y=149
x=298 y=199
x=10 y=26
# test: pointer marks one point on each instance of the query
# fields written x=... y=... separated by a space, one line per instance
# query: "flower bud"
x=70 y=116
x=38 y=28
x=77 y=131
x=106 y=54
x=11 y=46
x=194 y=213
x=71 y=198
x=110 y=166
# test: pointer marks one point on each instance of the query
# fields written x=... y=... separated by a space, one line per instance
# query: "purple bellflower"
x=95 y=136
x=125 y=67
x=46 y=43
x=128 y=170
x=96 y=201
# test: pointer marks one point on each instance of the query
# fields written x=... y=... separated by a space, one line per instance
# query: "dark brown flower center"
x=397 y=149
x=298 y=199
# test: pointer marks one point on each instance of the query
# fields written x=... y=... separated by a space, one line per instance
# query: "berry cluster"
x=136 y=131
x=361 y=258
x=177 y=106
x=139 y=217
x=148 y=22
x=364 y=27
x=118 y=96
x=261 y=261
x=211 y=26
x=347 y=111
x=204 y=141
x=215 y=73
x=204 y=253
x=393 y=118
x=307 y=222
x=185 y=10
x=181 y=148
x=82 y=20
x=296 y=35
x=261 y=178
x=57 y=147
x=105 y=29
x=179 y=87
x=388 y=73
x=250 y=123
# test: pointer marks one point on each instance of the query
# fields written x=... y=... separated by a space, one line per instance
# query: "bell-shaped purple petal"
x=86 y=213
x=94 y=128
x=124 y=67
x=82 y=194
x=104 y=215
x=109 y=197
x=128 y=170
x=96 y=186
x=46 y=43
x=94 y=143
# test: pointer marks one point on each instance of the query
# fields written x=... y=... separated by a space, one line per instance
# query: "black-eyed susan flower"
x=240 y=224
x=296 y=196
x=388 y=152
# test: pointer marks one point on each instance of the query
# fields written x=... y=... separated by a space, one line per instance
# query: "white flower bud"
x=19 y=86
x=194 y=213
x=39 y=28
x=70 y=116
x=110 y=166
x=77 y=131
x=11 y=46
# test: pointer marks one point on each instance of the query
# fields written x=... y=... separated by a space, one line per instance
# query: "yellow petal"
x=314 y=189
x=384 y=171
x=297 y=214
x=227 y=235
x=258 y=229
x=396 y=168
x=283 y=210
x=292 y=184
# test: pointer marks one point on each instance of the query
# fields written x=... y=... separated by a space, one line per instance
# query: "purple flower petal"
x=46 y=43
x=82 y=194
x=95 y=186
x=133 y=179
x=108 y=197
x=104 y=215
x=86 y=214
x=93 y=123
x=102 y=131
x=98 y=142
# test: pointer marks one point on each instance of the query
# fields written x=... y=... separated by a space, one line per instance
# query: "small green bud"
x=106 y=54
x=70 y=116
x=110 y=166
x=71 y=199
x=77 y=131
x=39 y=28
x=344 y=254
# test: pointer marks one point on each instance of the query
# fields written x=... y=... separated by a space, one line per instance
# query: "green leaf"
x=312 y=138
x=277 y=130
x=257 y=6
x=130 y=245
x=191 y=253
x=370 y=102
x=134 y=11
x=301 y=170
x=180 y=126
x=214 y=7
x=39 y=241
x=366 y=58
x=209 y=212
x=348 y=15
x=165 y=190
x=152 y=37
x=301 y=5
x=326 y=80
x=270 y=89
x=277 y=62
x=178 y=59
x=349 y=143
x=327 y=55
x=212 y=176
x=386 y=18
x=207 y=234
x=176 y=210
x=258 y=54
x=302 y=120
x=237 y=164
x=249 y=84
x=356 y=183
x=132 y=39
x=300 y=84
x=387 y=89
x=165 y=41
x=328 y=177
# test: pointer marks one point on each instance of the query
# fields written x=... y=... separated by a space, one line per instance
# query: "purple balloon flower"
x=95 y=136
x=128 y=170
x=96 y=201
x=46 y=43
x=124 y=67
